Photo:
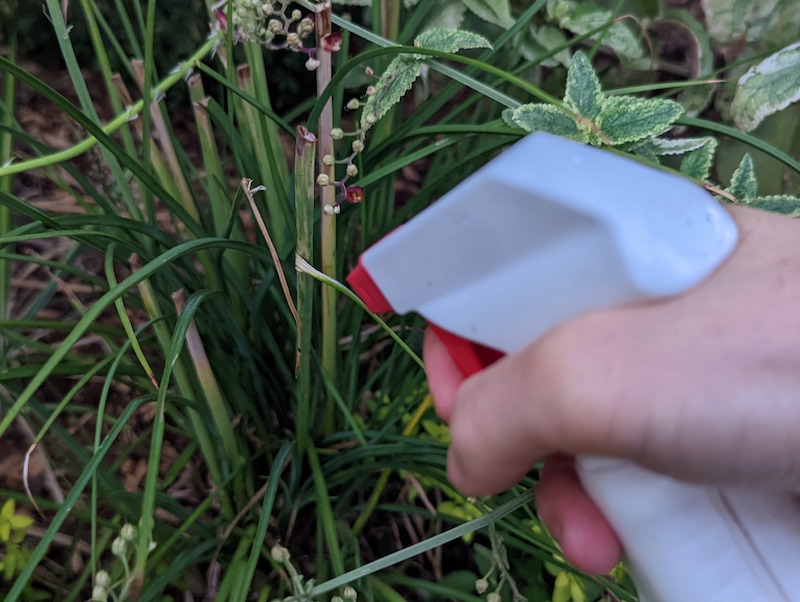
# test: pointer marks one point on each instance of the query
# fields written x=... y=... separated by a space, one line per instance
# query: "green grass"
x=265 y=402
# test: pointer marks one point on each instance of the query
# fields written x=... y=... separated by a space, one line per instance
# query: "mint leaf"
x=537 y=117
x=743 y=181
x=783 y=203
x=583 y=94
x=697 y=164
x=493 y=11
x=391 y=87
x=767 y=88
x=627 y=118
x=450 y=40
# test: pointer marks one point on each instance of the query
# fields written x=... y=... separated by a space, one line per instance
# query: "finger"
x=562 y=394
x=576 y=523
x=444 y=377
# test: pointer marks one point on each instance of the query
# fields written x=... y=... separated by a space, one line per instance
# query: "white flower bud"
x=371 y=119
x=292 y=39
x=312 y=64
x=102 y=579
x=323 y=179
x=275 y=26
x=99 y=594
x=352 y=170
x=119 y=546
x=128 y=532
x=337 y=209
x=337 y=599
x=337 y=133
x=267 y=9
x=371 y=91
x=358 y=146
x=280 y=554
x=350 y=593
x=328 y=209
x=481 y=585
x=494 y=597
x=369 y=71
x=353 y=104
x=328 y=159
x=296 y=15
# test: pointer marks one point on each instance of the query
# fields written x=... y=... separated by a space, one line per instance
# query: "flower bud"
x=312 y=64
x=99 y=594
x=267 y=9
x=481 y=585
x=328 y=160
x=329 y=210
x=337 y=133
x=358 y=146
x=337 y=209
x=296 y=15
x=353 y=104
x=371 y=119
x=354 y=194
x=119 y=546
x=350 y=593
x=128 y=532
x=371 y=91
x=280 y=554
x=323 y=179
x=494 y=597
x=275 y=26
x=292 y=39
x=352 y=170
x=102 y=579
x=369 y=71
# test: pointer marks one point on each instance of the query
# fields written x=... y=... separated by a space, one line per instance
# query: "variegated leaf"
x=583 y=94
x=697 y=164
x=450 y=40
x=493 y=11
x=767 y=88
x=743 y=181
x=536 y=117
x=627 y=118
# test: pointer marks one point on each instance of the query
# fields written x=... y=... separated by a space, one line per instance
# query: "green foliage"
x=13 y=554
x=403 y=71
x=744 y=186
x=228 y=420
x=767 y=88
x=595 y=117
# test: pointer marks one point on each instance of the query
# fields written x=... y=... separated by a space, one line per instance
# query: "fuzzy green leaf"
x=392 y=86
x=581 y=18
x=536 y=117
x=767 y=88
x=450 y=16
x=627 y=118
x=583 y=87
x=743 y=181
x=450 y=40
x=775 y=20
x=677 y=146
x=538 y=41
x=493 y=11
x=697 y=164
x=783 y=203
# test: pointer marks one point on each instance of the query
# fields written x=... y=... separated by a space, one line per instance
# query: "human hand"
x=704 y=387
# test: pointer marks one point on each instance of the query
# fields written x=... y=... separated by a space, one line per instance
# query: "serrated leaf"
x=697 y=164
x=744 y=186
x=391 y=87
x=728 y=20
x=583 y=87
x=627 y=118
x=451 y=15
x=581 y=18
x=536 y=117
x=450 y=40
x=493 y=11
x=767 y=88
x=783 y=203
x=677 y=146
x=508 y=118
x=536 y=42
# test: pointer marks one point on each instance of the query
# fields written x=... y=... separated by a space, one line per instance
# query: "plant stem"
x=6 y=146
x=304 y=163
x=328 y=237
